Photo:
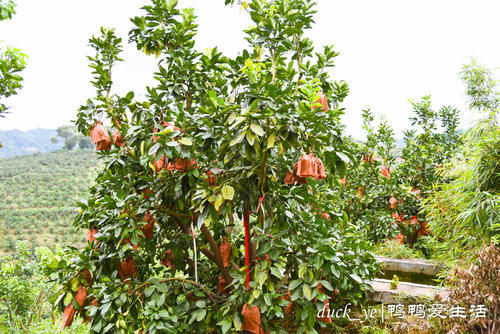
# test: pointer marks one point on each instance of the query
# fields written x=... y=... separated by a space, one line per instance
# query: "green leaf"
x=238 y=138
x=257 y=129
x=267 y=299
x=201 y=221
x=226 y=325
x=74 y=284
x=271 y=140
x=326 y=284
x=276 y=272
x=250 y=138
x=201 y=315
x=237 y=322
x=68 y=298
x=356 y=278
x=171 y=4
x=153 y=149
x=306 y=290
x=172 y=143
x=149 y=291
x=164 y=314
x=213 y=97
x=335 y=271
x=294 y=284
x=343 y=156
x=185 y=141
x=231 y=118
x=218 y=201
x=228 y=192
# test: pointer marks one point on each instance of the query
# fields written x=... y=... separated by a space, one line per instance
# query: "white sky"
x=390 y=51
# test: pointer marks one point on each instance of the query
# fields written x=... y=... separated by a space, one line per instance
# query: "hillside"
x=16 y=142
x=37 y=196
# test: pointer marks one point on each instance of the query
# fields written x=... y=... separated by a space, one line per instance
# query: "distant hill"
x=38 y=194
x=16 y=142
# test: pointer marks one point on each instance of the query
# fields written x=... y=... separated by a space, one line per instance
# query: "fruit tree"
x=214 y=210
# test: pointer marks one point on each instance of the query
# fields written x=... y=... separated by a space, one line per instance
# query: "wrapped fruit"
x=81 y=296
x=159 y=163
x=343 y=180
x=192 y=164
x=165 y=125
x=135 y=247
x=423 y=230
x=117 y=138
x=168 y=259
x=91 y=235
x=69 y=311
x=289 y=178
x=148 y=229
x=127 y=268
x=99 y=135
x=211 y=178
x=361 y=192
x=326 y=315
x=368 y=158
x=179 y=164
x=320 y=168
x=386 y=172
x=393 y=202
x=222 y=285
x=322 y=101
x=225 y=251
x=87 y=276
x=251 y=319
x=147 y=193
x=307 y=166
x=68 y=315
x=288 y=310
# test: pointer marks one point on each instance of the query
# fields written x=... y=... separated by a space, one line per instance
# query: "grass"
x=392 y=248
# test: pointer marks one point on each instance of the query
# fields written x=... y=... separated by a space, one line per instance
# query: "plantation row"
x=38 y=194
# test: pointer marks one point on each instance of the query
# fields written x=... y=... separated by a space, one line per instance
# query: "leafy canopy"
x=247 y=120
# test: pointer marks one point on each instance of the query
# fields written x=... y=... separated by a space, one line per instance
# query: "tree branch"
x=216 y=251
x=213 y=255
x=209 y=294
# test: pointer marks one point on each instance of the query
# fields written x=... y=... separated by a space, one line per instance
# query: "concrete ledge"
x=417 y=266
x=384 y=294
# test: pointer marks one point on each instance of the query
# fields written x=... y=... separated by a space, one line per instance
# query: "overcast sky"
x=390 y=51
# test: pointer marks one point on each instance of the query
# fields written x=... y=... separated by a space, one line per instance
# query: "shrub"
x=475 y=287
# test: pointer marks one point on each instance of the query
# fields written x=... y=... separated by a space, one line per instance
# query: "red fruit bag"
x=117 y=138
x=168 y=259
x=99 y=135
x=251 y=319
x=323 y=101
x=68 y=315
x=307 y=166
x=289 y=308
x=91 y=235
x=127 y=268
x=81 y=296
x=149 y=228
x=225 y=251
